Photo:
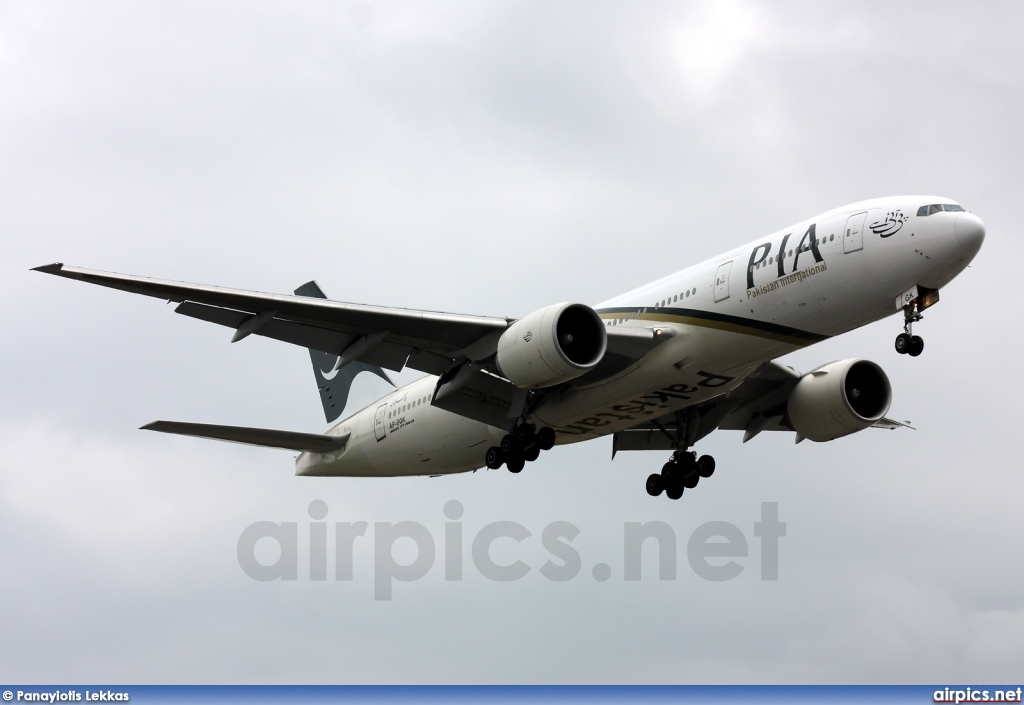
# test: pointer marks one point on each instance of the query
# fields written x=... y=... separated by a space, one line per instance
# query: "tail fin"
x=334 y=385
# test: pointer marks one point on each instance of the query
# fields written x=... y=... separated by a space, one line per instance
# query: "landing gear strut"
x=906 y=342
x=682 y=472
x=521 y=445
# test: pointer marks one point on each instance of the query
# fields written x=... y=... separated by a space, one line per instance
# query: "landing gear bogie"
x=520 y=446
x=682 y=472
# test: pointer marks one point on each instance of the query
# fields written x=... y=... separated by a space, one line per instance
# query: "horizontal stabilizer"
x=266 y=437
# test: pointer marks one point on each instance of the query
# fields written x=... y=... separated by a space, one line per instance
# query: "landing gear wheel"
x=916 y=346
x=509 y=445
x=690 y=481
x=655 y=485
x=524 y=434
x=533 y=453
x=903 y=343
x=546 y=438
x=516 y=464
x=674 y=491
x=494 y=458
x=706 y=466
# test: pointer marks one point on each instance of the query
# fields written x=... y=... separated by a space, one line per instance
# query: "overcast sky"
x=490 y=158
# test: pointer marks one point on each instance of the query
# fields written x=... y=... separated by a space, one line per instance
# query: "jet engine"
x=550 y=346
x=838 y=399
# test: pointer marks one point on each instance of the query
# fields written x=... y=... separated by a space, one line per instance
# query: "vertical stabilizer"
x=334 y=385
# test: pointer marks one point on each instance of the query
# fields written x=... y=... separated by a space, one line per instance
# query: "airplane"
x=657 y=368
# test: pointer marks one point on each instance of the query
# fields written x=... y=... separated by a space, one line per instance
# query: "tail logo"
x=335 y=384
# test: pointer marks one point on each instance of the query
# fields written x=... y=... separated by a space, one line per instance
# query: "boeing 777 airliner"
x=658 y=368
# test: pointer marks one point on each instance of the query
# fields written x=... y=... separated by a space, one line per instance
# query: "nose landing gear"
x=906 y=342
x=914 y=301
x=682 y=472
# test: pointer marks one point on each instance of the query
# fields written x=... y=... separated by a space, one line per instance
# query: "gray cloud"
x=489 y=159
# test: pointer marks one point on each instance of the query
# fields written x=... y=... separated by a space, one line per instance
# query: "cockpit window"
x=938 y=208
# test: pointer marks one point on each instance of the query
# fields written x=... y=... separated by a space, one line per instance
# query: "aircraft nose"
x=970 y=232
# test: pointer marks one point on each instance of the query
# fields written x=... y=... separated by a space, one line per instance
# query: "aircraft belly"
x=696 y=365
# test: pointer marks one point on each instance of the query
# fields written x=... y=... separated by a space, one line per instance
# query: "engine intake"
x=553 y=345
x=838 y=399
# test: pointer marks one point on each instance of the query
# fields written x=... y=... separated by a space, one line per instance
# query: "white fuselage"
x=817 y=279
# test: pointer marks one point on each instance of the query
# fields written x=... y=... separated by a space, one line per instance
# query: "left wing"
x=459 y=348
x=392 y=338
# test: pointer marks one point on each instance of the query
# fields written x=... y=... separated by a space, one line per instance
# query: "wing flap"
x=892 y=424
x=265 y=437
x=471 y=392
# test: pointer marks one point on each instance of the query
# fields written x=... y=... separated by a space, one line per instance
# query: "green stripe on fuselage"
x=719 y=321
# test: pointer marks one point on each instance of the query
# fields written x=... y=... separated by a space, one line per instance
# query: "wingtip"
x=151 y=426
x=54 y=268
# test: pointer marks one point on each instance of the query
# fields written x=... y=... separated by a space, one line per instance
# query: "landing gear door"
x=379 y=427
x=853 y=236
x=722 y=282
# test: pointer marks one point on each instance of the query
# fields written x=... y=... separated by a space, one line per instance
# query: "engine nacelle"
x=553 y=345
x=839 y=399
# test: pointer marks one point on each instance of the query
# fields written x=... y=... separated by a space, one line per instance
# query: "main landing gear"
x=519 y=447
x=906 y=342
x=683 y=471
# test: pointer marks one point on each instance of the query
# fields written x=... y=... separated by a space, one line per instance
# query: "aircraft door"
x=379 y=426
x=853 y=236
x=722 y=282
